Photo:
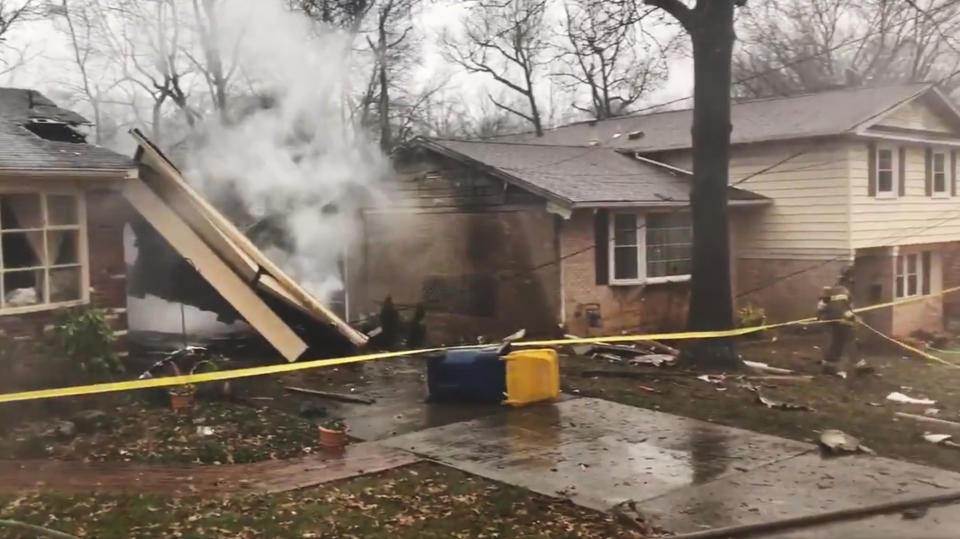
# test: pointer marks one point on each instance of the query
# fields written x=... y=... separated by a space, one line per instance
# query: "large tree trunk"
x=711 y=297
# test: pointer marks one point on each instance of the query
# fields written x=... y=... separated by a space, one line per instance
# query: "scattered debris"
x=782 y=378
x=941 y=439
x=763 y=367
x=931 y=411
x=928 y=419
x=914 y=513
x=91 y=420
x=655 y=360
x=649 y=389
x=838 y=442
x=712 y=378
x=203 y=430
x=330 y=395
x=516 y=336
x=896 y=396
x=779 y=405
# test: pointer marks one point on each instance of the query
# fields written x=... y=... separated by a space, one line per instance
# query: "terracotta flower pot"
x=332 y=439
x=181 y=402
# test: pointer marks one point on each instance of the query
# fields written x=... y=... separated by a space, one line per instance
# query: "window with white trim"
x=912 y=275
x=650 y=248
x=41 y=250
x=885 y=172
x=939 y=173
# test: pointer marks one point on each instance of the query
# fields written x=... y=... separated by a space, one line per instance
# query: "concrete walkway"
x=685 y=474
x=262 y=477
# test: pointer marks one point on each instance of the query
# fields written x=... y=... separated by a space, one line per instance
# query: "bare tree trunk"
x=710 y=25
x=711 y=295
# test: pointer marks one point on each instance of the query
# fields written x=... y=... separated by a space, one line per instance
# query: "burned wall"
x=479 y=255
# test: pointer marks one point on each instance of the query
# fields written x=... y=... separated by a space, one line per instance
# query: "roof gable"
x=929 y=111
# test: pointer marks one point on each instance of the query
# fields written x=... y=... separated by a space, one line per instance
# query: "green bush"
x=751 y=316
x=83 y=337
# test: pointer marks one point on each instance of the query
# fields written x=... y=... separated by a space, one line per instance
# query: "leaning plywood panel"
x=214 y=270
x=168 y=180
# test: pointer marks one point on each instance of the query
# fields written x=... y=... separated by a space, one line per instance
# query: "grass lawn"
x=424 y=500
x=857 y=405
x=154 y=434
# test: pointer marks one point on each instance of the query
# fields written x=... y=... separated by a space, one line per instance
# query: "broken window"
x=40 y=249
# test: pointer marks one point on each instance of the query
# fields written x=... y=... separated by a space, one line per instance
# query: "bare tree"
x=710 y=27
x=346 y=14
x=795 y=47
x=12 y=14
x=609 y=55
x=217 y=71
x=392 y=46
x=506 y=40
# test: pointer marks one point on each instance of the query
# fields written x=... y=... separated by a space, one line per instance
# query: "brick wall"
x=785 y=289
x=592 y=309
x=106 y=215
x=478 y=273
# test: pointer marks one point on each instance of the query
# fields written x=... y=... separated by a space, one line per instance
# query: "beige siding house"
x=862 y=181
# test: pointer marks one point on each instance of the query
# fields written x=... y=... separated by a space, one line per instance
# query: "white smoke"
x=297 y=160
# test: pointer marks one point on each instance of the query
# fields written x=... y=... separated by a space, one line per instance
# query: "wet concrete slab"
x=807 y=484
x=596 y=452
x=399 y=390
x=685 y=474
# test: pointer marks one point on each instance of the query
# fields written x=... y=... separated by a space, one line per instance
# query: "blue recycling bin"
x=476 y=375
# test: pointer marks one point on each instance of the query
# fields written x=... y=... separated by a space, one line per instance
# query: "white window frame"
x=894 y=172
x=901 y=275
x=641 y=278
x=945 y=193
x=83 y=260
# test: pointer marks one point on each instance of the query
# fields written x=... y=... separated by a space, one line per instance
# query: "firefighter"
x=835 y=306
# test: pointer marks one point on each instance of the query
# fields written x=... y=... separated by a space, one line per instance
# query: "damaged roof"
x=580 y=176
x=22 y=149
x=779 y=118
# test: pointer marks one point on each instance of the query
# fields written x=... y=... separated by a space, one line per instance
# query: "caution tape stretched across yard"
x=290 y=367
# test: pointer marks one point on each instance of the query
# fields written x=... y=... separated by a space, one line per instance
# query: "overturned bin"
x=483 y=375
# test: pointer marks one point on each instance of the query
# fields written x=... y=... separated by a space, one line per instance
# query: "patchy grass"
x=857 y=406
x=154 y=434
x=424 y=500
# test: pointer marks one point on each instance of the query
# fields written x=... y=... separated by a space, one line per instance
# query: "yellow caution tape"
x=906 y=346
x=290 y=367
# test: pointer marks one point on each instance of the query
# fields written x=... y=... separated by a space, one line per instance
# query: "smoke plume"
x=292 y=157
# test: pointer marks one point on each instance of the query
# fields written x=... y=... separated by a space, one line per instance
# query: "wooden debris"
x=330 y=395
x=929 y=419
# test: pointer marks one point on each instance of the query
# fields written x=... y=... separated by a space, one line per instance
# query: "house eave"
x=653 y=204
x=89 y=174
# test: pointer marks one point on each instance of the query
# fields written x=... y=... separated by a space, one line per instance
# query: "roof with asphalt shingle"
x=809 y=115
x=21 y=149
x=581 y=176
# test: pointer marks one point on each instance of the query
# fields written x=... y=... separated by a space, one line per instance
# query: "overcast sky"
x=50 y=69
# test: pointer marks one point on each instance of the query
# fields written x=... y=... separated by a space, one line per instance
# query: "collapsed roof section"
x=276 y=306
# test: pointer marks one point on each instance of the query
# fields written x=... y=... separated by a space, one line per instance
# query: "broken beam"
x=329 y=395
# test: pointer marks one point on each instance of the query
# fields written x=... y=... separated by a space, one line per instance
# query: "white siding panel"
x=810 y=214
x=911 y=219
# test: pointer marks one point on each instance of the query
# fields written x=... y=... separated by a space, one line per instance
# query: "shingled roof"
x=24 y=150
x=580 y=176
x=820 y=114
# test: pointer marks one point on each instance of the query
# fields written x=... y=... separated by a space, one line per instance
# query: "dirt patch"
x=213 y=433
x=856 y=405
x=423 y=500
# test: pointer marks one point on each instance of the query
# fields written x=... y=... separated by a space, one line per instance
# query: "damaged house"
x=587 y=227
x=63 y=208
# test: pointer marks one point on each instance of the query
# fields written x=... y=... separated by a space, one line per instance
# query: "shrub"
x=751 y=316
x=83 y=337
